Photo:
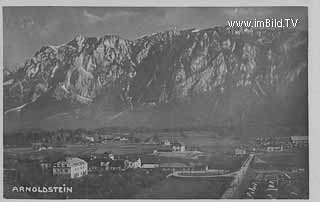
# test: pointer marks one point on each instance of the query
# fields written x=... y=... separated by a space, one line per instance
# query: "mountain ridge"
x=153 y=72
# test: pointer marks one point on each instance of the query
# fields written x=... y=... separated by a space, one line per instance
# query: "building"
x=105 y=137
x=299 y=141
x=89 y=138
x=149 y=162
x=108 y=155
x=42 y=148
x=116 y=138
x=118 y=164
x=175 y=167
x=180 y=147
x=104 y=165
x=133 y=163
x=150 y=165
x=200 y=168
x=240 y=152
x=46 y=166
x=275 y=148
x=94 y=163
x=166 y=142
x=111 y=156
x=47 y=163
x=124 y=139
x=70 y=167
x=37 y=145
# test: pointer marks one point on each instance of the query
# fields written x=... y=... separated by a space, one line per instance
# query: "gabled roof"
x=73 y=161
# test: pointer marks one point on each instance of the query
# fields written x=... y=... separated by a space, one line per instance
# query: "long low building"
x=299 y=141
x=175 y=167
x=275 y=148
x=150 y=165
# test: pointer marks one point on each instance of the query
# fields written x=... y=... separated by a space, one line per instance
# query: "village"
x=100 y=154
x=82 y=165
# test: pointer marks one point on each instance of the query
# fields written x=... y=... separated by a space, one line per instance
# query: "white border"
x=314 y=42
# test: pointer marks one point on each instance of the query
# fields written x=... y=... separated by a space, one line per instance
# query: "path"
x=238 y=179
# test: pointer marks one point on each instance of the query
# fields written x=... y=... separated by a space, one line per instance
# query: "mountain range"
x=176 y=78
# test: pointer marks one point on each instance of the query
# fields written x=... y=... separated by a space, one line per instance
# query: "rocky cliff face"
x=222 y=64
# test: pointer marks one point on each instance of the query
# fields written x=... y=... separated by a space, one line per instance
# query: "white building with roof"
x=299 y=141
x=71 y=167
x=150 y=165
x=275 y=148
x=240 y=151
x=178 y=146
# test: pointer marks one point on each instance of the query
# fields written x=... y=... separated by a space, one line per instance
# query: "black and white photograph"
x=141 y=102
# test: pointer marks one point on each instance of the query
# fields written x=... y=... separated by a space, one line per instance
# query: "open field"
x=77 y=149
x=185 y=154
x=124 y=148
x=18 y=150
x=173 y=188
x=216 y=151
x=205 y=141
x=283 y=160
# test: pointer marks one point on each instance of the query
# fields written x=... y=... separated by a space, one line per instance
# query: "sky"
x=27 y=29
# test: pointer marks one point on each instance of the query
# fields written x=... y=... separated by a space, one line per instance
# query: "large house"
x=108 y=155
x=104 y=165
x=70 y=167
x=37 y=145
x=117 y=164
x=299 y=141
x=123 y=164
x=94 y=163
x=89 y=138
x=177 y=146
x=240 y=152
x=275 y=148
x=166 y=142
x=133 y=163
